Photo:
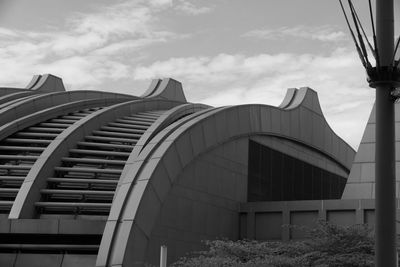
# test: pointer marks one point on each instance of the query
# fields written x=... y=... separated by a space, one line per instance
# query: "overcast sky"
x=225 y=52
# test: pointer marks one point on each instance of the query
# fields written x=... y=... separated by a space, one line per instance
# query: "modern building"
x=90 y=178
x=361 y=181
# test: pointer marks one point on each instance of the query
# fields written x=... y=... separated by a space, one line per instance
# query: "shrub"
x=327 y=245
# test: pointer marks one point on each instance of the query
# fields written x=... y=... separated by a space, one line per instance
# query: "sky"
x=225 y=52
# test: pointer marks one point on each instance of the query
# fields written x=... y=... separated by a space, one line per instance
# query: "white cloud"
x=92 y=47
x=161 y=3
x=101 y=48
x=317 y=33
x=182 y=6
x=191 y=9
x=89 y=51
x=7 y=33
x=235 y=79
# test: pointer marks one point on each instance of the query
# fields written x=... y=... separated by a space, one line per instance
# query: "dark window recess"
x=275 y=176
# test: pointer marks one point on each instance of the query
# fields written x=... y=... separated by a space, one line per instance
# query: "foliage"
x=327 y=245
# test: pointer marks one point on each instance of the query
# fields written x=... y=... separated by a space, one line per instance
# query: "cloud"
x=161 y=3
x=225 y=68
x=230 y=79
x=317 y=33
x=191 y=9
x=100 y=49
x=4 y=33
x=90 y=48
x=182 y=6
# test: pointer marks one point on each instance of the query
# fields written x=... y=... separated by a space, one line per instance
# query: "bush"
x=327 y=245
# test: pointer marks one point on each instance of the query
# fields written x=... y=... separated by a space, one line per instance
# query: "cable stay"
x=396 y=62
x=354 y=37
x=378 y=63
x=363 y=31
x=360 y=38
x=378 y=74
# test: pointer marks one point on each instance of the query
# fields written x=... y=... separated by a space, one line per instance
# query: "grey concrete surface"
x=182 y=173
x=43 y=168
x=361 y=181
x=186 y=178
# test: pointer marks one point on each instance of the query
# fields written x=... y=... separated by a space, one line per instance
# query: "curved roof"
x=152 y=177
x=123 y=159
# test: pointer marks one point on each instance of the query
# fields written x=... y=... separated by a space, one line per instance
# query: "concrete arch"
x=42 y=115
x=36 y=179
x=140 y=200
x=13 y=96
x=307 y=98
x=17 y=100
x=287 y=100
x=43 y=101
x=35 y=79
x=152 y=88
x=46 y=83
x=167 y=89
x=163 y=121
x=38 y=83
x=121 y=198
x=9 y=90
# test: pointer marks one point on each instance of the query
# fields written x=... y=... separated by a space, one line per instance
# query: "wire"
x=365 y=35
x=354 y=37
x=395 y=52
x=374 y=35
x=360 y=38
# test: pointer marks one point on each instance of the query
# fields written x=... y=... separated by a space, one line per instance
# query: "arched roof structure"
x=138 y=172
x=147 y=183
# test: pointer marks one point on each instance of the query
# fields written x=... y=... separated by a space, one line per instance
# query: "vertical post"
x=251 y=225
x=285 y=221
x=385 y=191
x=163 y=256
x=385 y=198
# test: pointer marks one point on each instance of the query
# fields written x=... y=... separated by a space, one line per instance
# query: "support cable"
x=396 y=63
x=363 y=31
x=377 y=76
x=353 y=36
x=378 y=63
x=360 y=38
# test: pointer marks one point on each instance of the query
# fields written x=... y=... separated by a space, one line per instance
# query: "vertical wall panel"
x=269 y=226
x=243 y=225
x=369 y=217
x=342 y=217
x=300 y=219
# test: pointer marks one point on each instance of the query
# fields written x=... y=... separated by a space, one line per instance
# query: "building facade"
x=90 y=178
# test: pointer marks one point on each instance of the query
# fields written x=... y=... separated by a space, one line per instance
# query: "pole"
x=163 y=256
x=385 y=173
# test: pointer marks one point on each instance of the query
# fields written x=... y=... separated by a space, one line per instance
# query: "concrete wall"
x=180 y=190
x=203 y=203
x=361 y=181
x=264 y=220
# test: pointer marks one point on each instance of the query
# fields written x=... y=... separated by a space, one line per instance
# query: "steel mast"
x=385 y=153
x=385 y=78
